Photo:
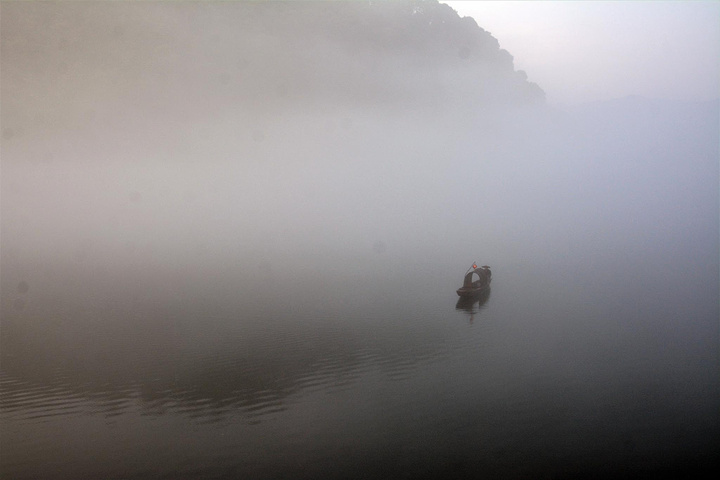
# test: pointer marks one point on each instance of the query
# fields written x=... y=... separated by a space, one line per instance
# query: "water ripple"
x=24 y=400
x=207 y=369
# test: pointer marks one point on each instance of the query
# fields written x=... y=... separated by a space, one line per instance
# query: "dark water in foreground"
x=561 y=371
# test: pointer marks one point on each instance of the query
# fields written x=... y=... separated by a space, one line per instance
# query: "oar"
x=474 y=266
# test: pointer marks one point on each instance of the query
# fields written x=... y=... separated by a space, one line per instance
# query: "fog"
x=226 y=210
x=272 y=139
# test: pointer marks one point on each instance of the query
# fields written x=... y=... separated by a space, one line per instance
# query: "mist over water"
x=232 y=234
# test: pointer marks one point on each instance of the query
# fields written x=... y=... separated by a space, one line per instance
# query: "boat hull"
x=472 y=291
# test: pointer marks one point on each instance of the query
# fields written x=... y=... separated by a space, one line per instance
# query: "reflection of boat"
x=473 y=287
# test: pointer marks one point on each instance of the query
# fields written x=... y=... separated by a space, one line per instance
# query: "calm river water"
x=566 y=369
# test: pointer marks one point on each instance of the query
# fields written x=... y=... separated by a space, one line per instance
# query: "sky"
x=585 y=51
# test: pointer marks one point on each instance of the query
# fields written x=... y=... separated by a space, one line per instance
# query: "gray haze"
x=149 y=144
x=194 y=134
x=251 y=218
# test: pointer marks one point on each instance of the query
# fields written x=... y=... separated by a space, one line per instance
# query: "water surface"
x=376 y=372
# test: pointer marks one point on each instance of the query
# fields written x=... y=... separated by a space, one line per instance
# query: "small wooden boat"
x=474 y=286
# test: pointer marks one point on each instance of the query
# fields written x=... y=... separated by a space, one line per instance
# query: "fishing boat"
x=477 y=280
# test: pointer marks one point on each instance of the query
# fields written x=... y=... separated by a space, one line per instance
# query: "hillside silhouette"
x=71 y=63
